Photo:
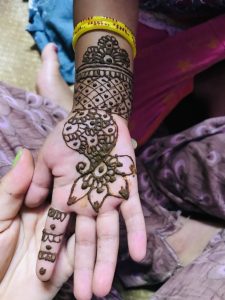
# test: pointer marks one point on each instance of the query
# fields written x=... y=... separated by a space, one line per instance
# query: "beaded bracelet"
x=104 y=23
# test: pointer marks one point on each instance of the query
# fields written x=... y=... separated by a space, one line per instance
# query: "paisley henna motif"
x=103 y=88
x=94 y=134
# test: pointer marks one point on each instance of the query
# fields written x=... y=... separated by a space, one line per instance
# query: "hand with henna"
x=90 y=161
x=20 y=232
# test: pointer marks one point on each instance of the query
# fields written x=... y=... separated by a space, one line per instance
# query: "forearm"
x=108 y=63
x=124 y=10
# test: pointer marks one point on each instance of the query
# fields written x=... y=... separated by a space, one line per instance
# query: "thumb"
x=14 y=185
x=40 y=185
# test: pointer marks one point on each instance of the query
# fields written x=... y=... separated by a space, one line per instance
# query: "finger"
x=135 y=224
x=52 y=238
x=65 y=263
x=107 y=251
x=40 y=185
x=14 y=185
x=134 y=143
x=85 y=251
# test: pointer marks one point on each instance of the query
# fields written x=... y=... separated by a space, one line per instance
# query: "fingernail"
x=17 y=158
x=56 y=48
x=134 y=143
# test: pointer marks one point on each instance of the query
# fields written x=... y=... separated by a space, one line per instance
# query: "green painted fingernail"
x=17 y=158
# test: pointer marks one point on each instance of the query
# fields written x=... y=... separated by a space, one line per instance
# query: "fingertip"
x=49 y=52
x=42 y=272
x=102 y=286
x=19 y=177
x=81 y=291
x=23 y=161
x=137 y=244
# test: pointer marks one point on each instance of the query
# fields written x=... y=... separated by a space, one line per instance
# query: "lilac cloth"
x=183 y=172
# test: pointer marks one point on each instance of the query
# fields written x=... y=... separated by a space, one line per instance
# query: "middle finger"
x=85 y=251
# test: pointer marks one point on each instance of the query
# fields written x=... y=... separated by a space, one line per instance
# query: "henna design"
x=94 y=134
x=42 y=271
x=56 y=214
x=52 y=226
x=52 y=238
x=47 y=256
x=48 y=247
x=104 y=80
x=103 y=88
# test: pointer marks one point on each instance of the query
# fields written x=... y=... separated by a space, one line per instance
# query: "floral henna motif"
x=103 y=88
x=104 y=80
x=94 y=134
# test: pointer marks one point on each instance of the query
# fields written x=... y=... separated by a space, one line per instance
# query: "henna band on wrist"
x=104 y=23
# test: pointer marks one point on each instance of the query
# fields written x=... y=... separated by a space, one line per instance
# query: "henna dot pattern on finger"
x=42 y=271
x=47 y=256
x=52 y=226
x=56 y=214
x=52 y=238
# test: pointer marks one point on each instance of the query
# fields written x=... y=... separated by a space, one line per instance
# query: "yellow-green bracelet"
x=104 y=23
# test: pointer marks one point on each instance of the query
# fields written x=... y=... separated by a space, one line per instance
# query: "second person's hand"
x=20 y=232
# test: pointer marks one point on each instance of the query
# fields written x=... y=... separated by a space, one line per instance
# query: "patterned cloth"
x=183 y=172
x=203 y=279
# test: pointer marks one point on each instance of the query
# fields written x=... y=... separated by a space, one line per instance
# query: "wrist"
x=104 y=79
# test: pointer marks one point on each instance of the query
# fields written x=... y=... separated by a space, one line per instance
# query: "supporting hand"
x=20 y=231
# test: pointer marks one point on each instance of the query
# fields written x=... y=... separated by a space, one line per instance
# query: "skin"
x=97 y=234
x=175 y=241
x=20 y=232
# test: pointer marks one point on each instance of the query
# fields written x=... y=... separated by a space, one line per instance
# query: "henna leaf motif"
x=94 y=134
x=105 y=180
x=103 y=88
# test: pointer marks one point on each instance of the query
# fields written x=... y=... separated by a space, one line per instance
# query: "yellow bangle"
x=104 y=23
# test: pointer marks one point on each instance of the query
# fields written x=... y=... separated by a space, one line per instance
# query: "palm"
x=93 y=174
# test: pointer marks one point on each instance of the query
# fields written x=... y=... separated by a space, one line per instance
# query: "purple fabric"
x=25 y=121
x=188 y=168
x=183 y=172
x=203 y=279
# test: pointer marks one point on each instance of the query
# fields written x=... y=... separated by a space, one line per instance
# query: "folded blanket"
x=52 y=21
